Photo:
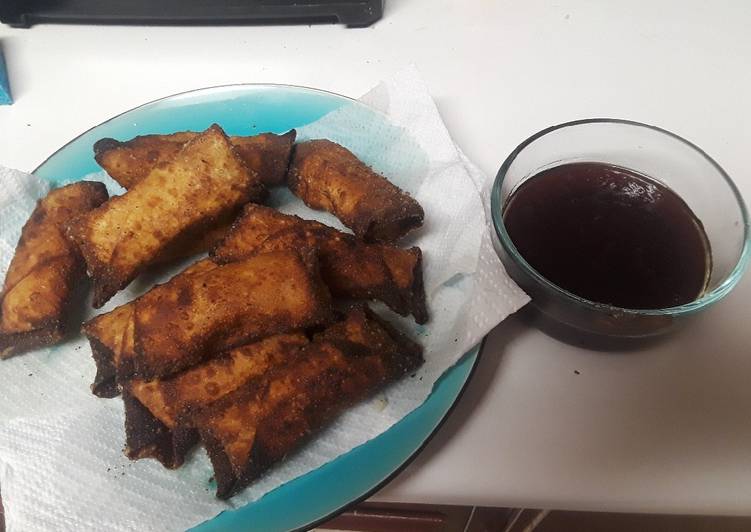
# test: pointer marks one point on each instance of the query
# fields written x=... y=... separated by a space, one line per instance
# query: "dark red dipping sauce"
x=610 y=235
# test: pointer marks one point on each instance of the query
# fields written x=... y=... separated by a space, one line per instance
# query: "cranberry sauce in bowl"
x=618 y=228
x=610 y=235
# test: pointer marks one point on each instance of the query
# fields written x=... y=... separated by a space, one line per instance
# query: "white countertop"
x=664 y=429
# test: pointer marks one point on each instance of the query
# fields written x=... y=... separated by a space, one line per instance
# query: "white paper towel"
x=61 y=464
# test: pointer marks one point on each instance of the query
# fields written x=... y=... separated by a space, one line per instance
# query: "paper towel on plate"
x=61 y=465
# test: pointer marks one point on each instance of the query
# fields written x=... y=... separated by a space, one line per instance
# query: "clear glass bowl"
x=667 y=158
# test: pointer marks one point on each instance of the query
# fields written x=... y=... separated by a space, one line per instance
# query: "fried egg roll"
x=131 y=161
x=179 y=323
x=260 y=423
x=329 y=177
x=155 y=410
x=203 y=183
x=173 y=398
x=350 y=267
x=46 y=272
x=112 y=340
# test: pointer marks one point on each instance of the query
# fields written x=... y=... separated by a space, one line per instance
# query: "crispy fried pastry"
x=350 y=267
x=267 y=154
x=173 y=398
x=179 y=323
x=156 y=410
x=46 y=270
x=257 y=425
x=327 y=176
x=147 y=437
x=153 y=432
x=129 y=162
x=111 y=336
x=153 y=408
x=205 y=182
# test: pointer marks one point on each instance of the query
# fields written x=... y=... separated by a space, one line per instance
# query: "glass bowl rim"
x=709 y=298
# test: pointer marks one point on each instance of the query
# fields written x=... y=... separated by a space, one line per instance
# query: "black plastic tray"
x=25 y=13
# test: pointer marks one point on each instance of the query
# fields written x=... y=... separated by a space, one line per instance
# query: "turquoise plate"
x=245 y=110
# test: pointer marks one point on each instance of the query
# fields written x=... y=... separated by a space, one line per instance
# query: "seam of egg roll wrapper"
x=466 y=289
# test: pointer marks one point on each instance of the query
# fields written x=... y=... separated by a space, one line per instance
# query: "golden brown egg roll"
x=45 y=275
x=260 y=423
x=350 y=267
x=111 y=336
x=172 y=398
x=154 y=409
x=112 y=339
x=179 y=323
x=129 y=162
x=329 y=177
x=205 y=182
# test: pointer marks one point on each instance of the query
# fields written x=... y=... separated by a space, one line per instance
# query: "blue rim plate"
x=246 y=110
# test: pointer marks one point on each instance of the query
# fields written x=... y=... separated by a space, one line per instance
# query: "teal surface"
x=243 y=110
x=5 y=96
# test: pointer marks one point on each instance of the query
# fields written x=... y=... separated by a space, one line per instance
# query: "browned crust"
x=351 y=268
x=112 y=348
x=16 y=343
x=228 y=306
x=42 y=282
x=268 y=154
x=105 y=383
x=131 y=161
x=175 y=398
x=327 y=176
x=202 y=185
x=259 y=424
x=147 y=437
x=112 y=339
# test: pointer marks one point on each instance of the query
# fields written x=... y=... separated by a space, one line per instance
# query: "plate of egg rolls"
x=268 y=326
